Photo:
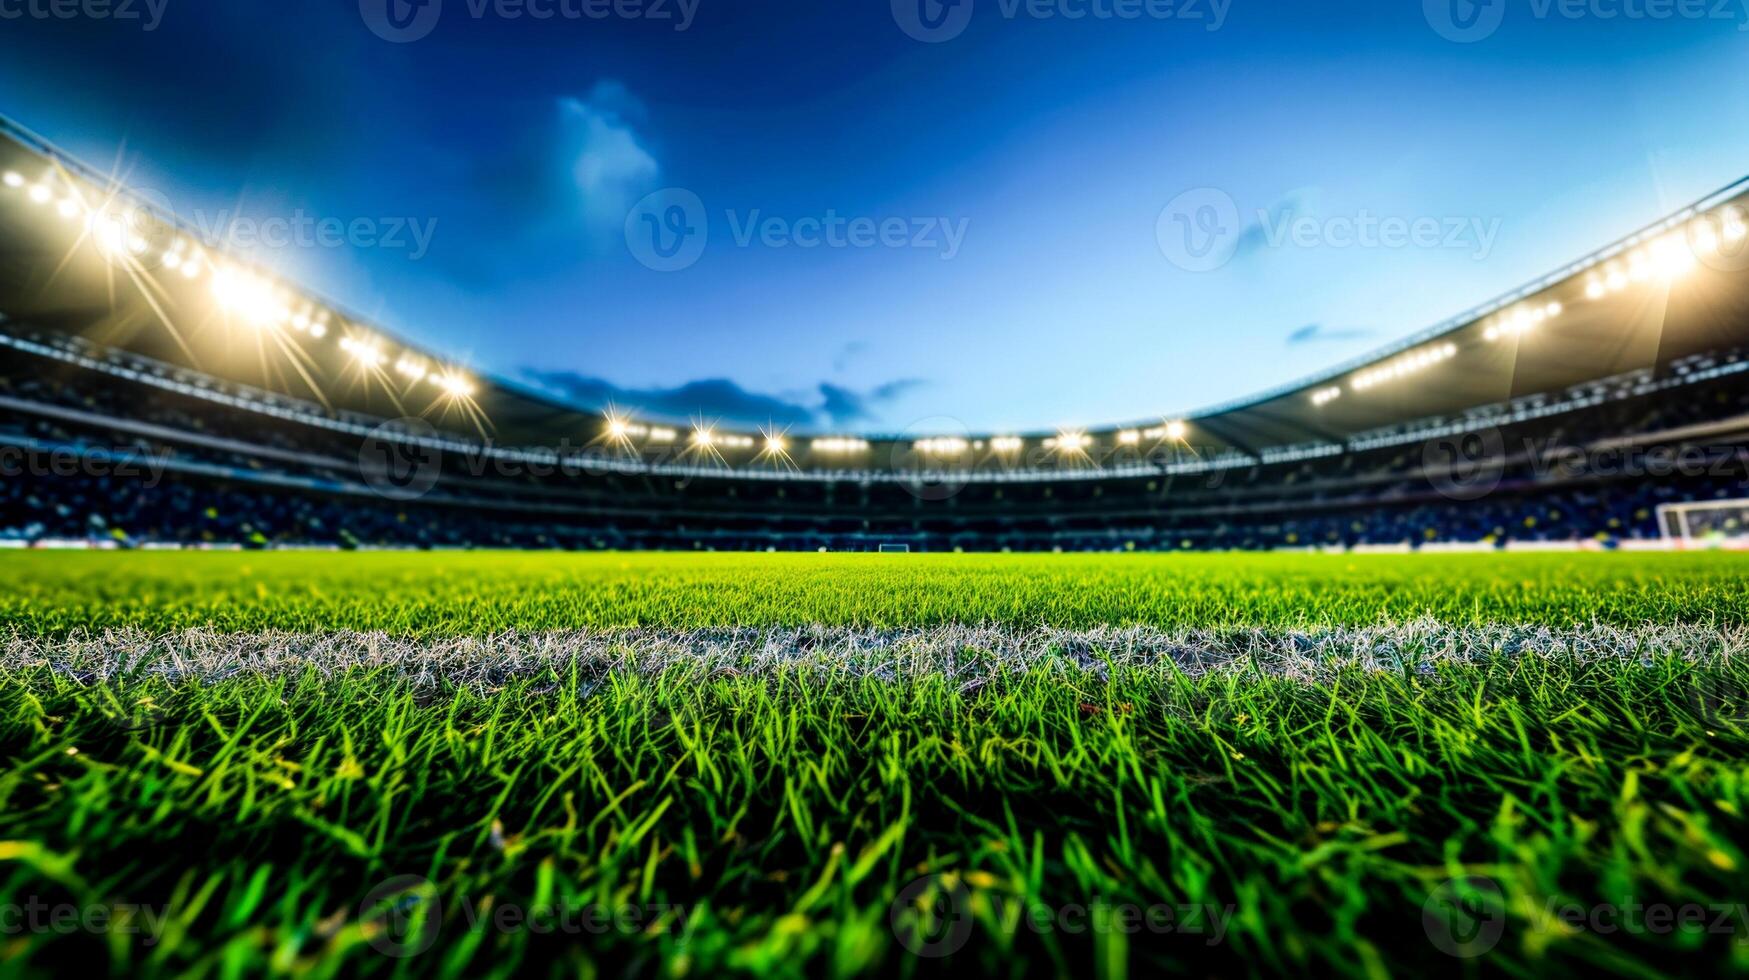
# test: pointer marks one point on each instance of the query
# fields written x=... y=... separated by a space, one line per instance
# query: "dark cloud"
x=1317 y=333
x=1256 y=236
x=722 y=400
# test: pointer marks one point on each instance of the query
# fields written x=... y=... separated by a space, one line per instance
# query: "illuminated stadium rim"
x=1321 y=388
x=73 y=350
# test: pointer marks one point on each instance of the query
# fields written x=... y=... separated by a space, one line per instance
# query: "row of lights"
x=622 y=430
x=368 y=352
x=1521 y=320
x=840 y=445
x=254 y=299
x=1666 y=259
x=710 y=438
x=1401 y=367
x=942 y=446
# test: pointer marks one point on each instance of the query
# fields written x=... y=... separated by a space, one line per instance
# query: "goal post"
x=1706 y=524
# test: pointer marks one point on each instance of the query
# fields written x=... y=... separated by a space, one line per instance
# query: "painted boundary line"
x=967 y=654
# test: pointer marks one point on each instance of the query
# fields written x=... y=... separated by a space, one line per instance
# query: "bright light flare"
x=456 y=385
x=248 y=296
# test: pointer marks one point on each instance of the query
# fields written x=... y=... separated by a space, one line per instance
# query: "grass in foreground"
x=790 y=824
x=1091 y=814
x=453 y=593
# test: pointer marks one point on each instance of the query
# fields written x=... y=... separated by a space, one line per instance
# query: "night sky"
x=800 y=212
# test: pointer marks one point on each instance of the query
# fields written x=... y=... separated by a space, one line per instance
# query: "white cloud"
x=610 y=162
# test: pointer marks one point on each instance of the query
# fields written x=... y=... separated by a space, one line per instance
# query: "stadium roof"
x=82 y=255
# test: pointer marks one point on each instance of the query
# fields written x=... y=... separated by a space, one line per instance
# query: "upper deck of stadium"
x=82 y=257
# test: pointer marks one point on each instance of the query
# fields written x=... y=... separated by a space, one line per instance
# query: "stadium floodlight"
x=13 y=179
x=1176 y=431
x=776 y=445
x=40 y=194
x=703 y=437
x=68 y=208
x=1426 y=357
x=1594 y=288
x=456 y=385
x=1704 y=237
x=1071 y=441
x=617 y=430
x=941 y=446
x=1672 y=258
x=663 y=434
x=365 y=352
x=1007 y=444
x=1325 y=396
x=110 y=234
x=839 y=444
x=411 y=368
x=248 y=296
x=1129 y=437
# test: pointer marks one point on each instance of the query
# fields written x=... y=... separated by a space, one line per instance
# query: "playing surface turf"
x=1520 y=764
x=457 y=593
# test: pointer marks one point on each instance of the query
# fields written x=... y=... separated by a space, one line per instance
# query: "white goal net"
x=1706 y=524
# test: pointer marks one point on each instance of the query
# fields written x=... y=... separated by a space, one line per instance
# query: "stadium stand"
x=154 y=392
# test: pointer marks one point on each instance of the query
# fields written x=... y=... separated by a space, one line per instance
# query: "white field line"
x=967 y=654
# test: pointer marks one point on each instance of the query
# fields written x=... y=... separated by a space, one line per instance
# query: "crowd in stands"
x=207 y=474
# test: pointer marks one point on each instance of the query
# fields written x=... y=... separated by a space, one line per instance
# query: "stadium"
x=1523 y=422
x=324 y=651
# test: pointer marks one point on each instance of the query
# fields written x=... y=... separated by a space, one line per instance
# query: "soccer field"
x=825 y=764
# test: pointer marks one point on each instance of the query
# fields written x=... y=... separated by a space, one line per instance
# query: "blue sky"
x=1025 y=277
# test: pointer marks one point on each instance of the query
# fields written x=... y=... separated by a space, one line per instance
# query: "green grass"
x=802 y=817
x=446 y=594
